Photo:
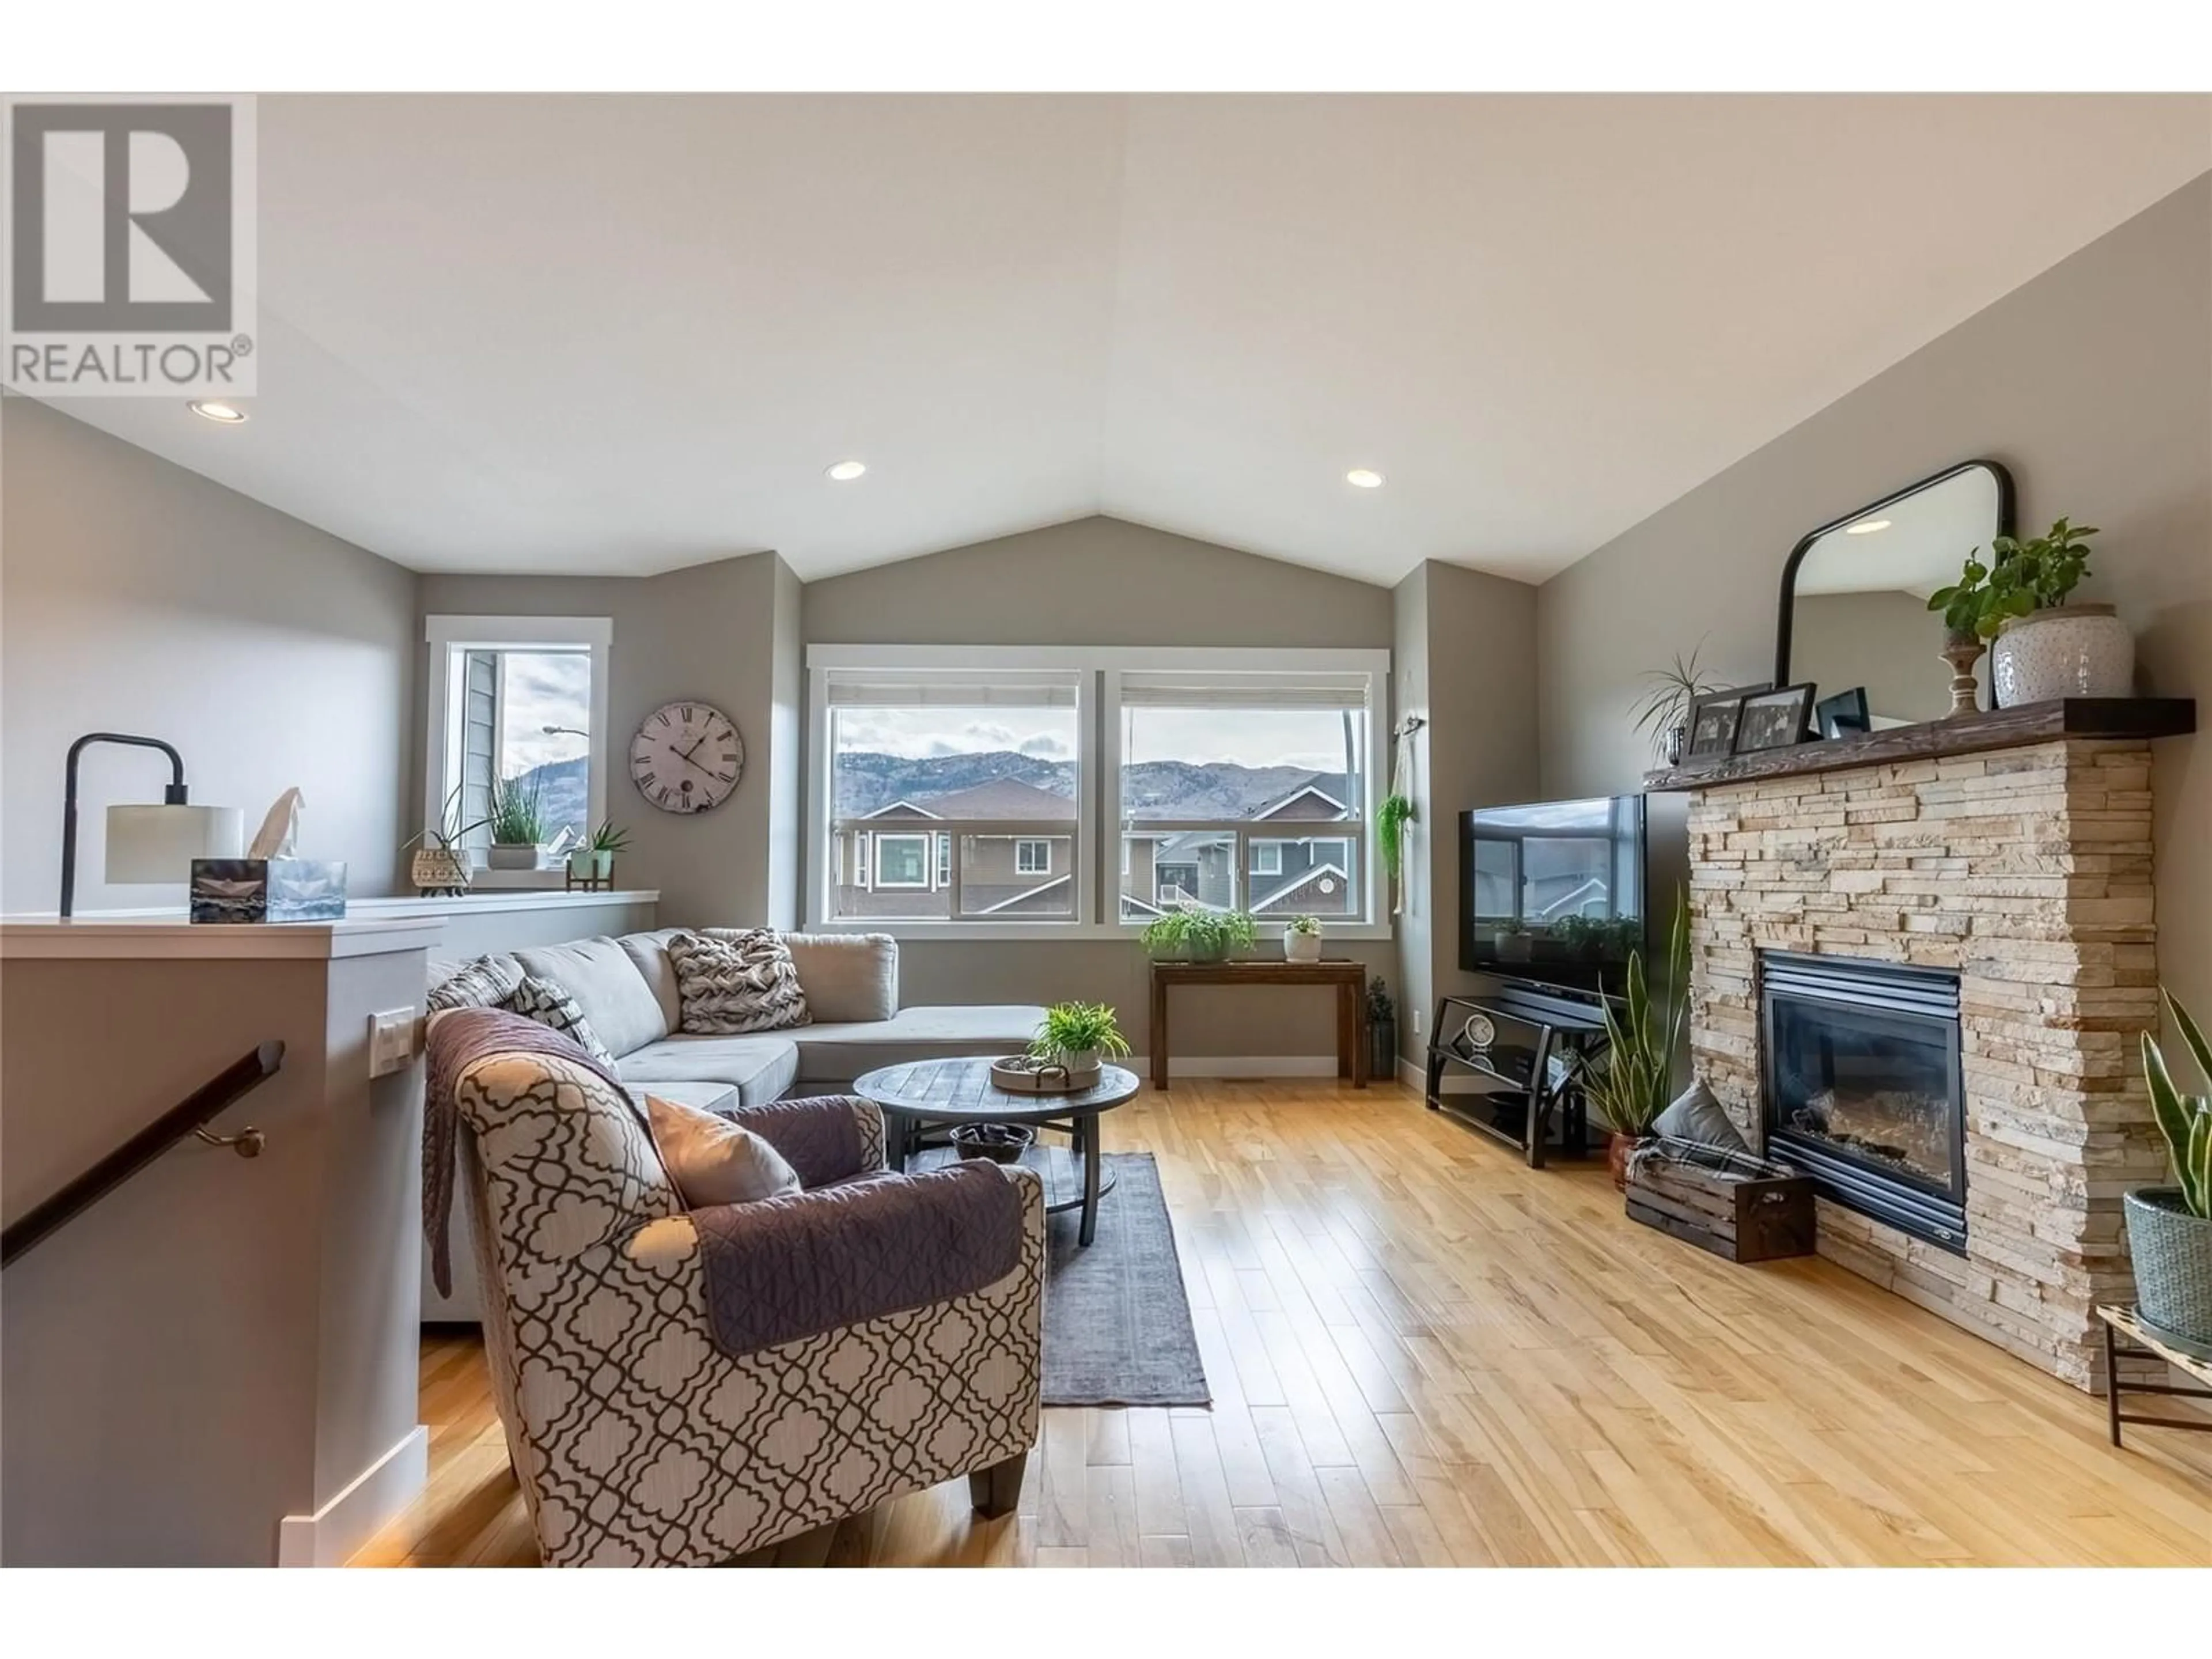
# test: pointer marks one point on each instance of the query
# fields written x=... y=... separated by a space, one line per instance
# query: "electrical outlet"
x=391 y=1040
x=1416 y=1022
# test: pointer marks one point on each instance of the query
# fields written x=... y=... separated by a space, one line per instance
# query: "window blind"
x=924 y=689
x=1185 y=688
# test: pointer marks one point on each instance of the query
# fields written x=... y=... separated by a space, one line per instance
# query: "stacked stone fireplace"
x=2026 y=873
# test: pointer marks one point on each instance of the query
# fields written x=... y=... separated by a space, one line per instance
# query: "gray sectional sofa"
x=626 y=989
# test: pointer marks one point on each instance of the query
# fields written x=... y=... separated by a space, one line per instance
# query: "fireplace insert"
x=1862 y=1087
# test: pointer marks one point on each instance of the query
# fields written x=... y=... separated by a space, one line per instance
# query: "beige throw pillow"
x=712 y=1160
x=731 y=984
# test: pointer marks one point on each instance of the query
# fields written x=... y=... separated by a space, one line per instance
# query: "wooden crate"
x=1737 y=1205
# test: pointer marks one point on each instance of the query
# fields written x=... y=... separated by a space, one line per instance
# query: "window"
x=902 y=861
x=969 y=777
x=1225 y=774
x=964 y=791
x=518 y=702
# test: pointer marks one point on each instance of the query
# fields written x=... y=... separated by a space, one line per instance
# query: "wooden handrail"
x=189 y=1116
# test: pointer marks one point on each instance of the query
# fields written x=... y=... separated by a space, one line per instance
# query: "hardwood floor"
x=1424 y=1353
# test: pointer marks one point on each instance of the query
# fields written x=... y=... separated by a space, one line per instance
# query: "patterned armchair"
x=636 y=1440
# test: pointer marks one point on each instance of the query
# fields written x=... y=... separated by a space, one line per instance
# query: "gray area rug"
x=1116 y=1322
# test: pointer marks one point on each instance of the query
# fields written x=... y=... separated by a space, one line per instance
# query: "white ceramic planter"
x=501 y=857
x=2071 y=651
x=1301 y=947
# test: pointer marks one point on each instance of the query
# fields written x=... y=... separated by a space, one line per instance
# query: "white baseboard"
x=333 y=1535
x=1232 y=1066
x=1452 y=1083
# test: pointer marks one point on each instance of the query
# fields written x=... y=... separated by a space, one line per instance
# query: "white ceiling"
x=625 y=334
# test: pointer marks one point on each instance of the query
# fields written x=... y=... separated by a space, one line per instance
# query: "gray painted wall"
x=2092 y=383
x=710 y=631
x=1102 y=582
x=136 y=596
x=1466 y=661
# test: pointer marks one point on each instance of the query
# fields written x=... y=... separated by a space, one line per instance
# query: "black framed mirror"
x=1855 y=591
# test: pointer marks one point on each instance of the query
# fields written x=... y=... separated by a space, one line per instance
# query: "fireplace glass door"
x=1864 y=1088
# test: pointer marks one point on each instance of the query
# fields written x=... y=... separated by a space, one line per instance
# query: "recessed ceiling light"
x=1363 y=479
x=222 y=413
x=1866 y=527
x=846 y=472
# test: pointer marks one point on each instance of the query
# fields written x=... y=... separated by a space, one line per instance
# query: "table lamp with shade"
x=148 y=844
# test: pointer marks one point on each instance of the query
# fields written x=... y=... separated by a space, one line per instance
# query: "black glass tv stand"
x=1535 y=1041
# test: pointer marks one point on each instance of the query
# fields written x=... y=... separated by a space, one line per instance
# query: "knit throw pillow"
x=543 y=1001
x=487 y=982
x=730 y=983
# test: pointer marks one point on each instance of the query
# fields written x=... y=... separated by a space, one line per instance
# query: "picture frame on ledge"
x=1774 y=719
x=1844 y=715
x=1714 y=718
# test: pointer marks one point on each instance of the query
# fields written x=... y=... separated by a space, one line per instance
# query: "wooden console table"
x=1350 y=979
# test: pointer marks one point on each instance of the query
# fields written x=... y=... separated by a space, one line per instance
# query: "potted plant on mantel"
x=1198 y=935
x=2170 y=1228
x=1662 y=713
x=1079 y=1036
x=518 y=824
x=1632 y=1086
x=2047 y=646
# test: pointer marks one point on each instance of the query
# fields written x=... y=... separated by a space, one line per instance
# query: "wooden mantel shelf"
x=2123 y=718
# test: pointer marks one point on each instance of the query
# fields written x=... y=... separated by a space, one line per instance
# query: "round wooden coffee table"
x=942 y=1094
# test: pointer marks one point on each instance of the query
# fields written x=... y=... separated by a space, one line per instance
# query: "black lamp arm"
x=173 y=794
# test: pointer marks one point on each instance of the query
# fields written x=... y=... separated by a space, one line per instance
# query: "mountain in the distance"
x=563 y=796
x=867 y=782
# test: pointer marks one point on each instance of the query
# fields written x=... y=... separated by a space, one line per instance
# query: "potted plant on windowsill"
x=1301 y=940
x=1079 y=1035
x=1632 y=1086
x=2170 y=1228
x=518 y=824
x=1196 y=935
x=442 y=869
x=595 y=860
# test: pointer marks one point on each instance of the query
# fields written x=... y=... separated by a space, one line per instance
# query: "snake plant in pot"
x=1634 y=1082
x=2170 y=1228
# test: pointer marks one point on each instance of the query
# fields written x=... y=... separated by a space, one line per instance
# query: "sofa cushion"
x=712 y=1160
x=708 y=1097
x=847 y=976
x=839 y=1052
x=607 y=986
x=737 y=984
x=758 y=1067
x=649 y=952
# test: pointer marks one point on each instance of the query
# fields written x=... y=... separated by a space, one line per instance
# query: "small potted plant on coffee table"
x=1079 y=1035
x=2170 y=1228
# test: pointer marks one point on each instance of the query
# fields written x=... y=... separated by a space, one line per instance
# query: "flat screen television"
x=1554 y=891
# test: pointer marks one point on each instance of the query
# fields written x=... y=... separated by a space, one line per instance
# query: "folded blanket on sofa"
x=783 y=1268
x=457 y=1041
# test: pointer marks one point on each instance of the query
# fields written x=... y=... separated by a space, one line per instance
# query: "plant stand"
x=572 y=883
x=2144 y=1343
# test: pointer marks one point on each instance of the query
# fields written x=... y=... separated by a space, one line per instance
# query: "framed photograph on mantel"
x=1774 y=719
x=1713 y=720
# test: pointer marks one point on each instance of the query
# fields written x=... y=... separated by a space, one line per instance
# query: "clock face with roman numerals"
x=686 y=757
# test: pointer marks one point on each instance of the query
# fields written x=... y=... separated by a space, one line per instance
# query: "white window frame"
x=1261 y=866
x=928 y=857
x=1022 y=845
x=449 y=636
x=1098 y=794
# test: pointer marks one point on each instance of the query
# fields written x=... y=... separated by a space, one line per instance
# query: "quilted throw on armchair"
x=637 y=1441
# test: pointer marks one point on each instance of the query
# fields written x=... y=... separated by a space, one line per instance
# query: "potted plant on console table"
x=2170 y=1228
x=1198 y=935
x=1633 y=1084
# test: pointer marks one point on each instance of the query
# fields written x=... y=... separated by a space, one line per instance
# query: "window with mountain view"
x=518 y=700
x=1243 y=791
x=954 y=795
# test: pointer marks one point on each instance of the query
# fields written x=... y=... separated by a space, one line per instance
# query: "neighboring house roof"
x=1594 y=886
x=1324 y=795
x=1282 y=897
x=905 y=808
x=1021 y=898
x=1001 y=798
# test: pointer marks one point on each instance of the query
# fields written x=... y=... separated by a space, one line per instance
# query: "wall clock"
x=687 y=757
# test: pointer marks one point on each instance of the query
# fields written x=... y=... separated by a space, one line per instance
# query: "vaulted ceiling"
x=625 y=334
